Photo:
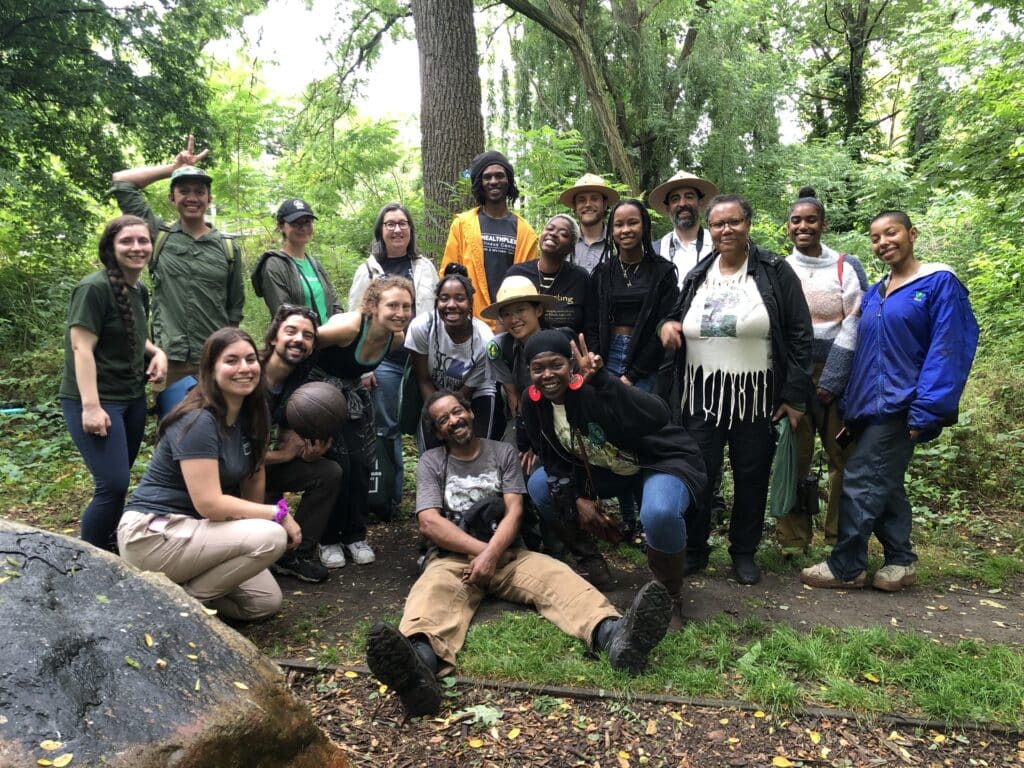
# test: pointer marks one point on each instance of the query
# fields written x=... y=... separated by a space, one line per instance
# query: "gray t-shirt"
x=495 y=470
x=452 y=366
x=195 y=435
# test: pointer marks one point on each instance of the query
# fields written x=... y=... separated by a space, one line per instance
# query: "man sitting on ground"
x=469 y=502
x=297 y=465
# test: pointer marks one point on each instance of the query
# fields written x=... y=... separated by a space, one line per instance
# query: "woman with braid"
x=107 y=361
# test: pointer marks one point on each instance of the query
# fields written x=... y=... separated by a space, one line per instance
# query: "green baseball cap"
x=190 y=173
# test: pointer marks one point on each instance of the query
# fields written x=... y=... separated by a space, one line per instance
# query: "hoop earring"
x=533 y=393
x=575 y=382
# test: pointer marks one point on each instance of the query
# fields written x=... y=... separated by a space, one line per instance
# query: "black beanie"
x=484 y=159
x=547 y=341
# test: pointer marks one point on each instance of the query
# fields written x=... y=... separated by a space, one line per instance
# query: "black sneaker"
x=301 y=568
x=642 y=628
x=393 y=661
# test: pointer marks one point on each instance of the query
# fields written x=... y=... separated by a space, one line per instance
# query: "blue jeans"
x=616 y=362
x=110 y=460
x=385 y=406
x=874 y=500
x=663 y=502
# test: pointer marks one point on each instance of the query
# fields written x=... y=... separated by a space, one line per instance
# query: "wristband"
x=282 y=511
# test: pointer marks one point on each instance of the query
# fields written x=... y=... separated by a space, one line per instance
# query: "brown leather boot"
x=590 y=563
x=668 y=568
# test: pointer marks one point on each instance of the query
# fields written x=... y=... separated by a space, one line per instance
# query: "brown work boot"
x=668 y=568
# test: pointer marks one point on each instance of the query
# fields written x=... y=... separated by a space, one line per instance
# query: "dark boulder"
x=122 y=668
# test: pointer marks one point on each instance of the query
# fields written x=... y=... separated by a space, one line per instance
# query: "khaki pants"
x=441 y=605
x=797 y=528
x=223 y=564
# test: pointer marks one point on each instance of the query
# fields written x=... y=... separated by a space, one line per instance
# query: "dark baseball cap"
x=293 y=208
x=190 y=173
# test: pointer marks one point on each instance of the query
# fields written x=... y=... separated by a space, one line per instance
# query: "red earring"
x=575 y=382
x=533 y=393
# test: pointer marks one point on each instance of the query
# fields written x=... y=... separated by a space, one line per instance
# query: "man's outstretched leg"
x=406 y=666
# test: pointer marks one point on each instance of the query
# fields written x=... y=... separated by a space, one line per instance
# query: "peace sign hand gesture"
x=586 y=361
x=188 y=155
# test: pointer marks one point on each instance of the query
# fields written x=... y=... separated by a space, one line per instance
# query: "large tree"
x=450 y=117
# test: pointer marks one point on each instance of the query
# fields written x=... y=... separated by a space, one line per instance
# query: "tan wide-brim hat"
x=588 y=182
x=516 y=289
x=656 y=199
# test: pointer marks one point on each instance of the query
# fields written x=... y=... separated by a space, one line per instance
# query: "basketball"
x=317 y=410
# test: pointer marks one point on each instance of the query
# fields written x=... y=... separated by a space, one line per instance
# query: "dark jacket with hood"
x=789 y=323
x=604 y=410
x=645 y=351
x=278 y=280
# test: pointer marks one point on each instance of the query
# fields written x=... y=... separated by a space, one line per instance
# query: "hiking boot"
x=395 y=662
x=821 y=576
x=302 y=568
x=640 y=629
x=332 y=556
x=668 y=568
x=746 y=569
x=893 y=578
x=360 y=552
x=695 y=562
x=590 y=563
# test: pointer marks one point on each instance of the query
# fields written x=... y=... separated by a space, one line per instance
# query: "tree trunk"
x=451 y=123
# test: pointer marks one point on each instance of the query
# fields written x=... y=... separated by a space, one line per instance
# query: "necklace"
x=548 y=281
x=628 y=273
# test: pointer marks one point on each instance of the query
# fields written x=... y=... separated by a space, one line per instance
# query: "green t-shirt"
x=119 y=375
x=312 y=290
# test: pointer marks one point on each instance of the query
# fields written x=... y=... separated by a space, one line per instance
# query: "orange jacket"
x=465 y=246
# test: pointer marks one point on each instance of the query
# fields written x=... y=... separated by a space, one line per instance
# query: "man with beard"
x=682 y=198
x=296 y=464
x=469 y=503
x=490 y=238
x=590 y=199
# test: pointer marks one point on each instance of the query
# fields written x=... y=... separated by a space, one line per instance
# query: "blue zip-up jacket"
x=914 y=351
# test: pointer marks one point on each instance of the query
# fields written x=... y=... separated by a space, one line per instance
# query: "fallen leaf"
x=191 y=657
x=49 y=745
x=652 y=727
x=4 y=578
x=781 y=762
x=513 y=734
x=351 y=675
x=476 y=743
x=938 y=738
x=676 y=716
x=147 y=639
x=44 y=761
x=759 y=714
x=241 y=686
x=991 y=603
x=13 y=561
x=161 y=664
x=196 y=688
x=871 y=677
x=131 y=662
x=815 y=737
x=102 y=599
x=60 y=762
x=382 y=689
x=724 y=721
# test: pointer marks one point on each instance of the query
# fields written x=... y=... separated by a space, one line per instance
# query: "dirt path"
x=949 y=612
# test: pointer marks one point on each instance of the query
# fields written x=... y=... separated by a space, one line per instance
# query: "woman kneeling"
x=197 y=515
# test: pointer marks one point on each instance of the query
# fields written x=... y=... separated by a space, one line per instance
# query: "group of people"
x=555 y=372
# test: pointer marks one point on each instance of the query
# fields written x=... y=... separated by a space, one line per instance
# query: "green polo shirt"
x=196 y=288
x=119 y=375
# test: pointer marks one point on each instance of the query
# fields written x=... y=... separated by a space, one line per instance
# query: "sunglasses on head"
x=287 y=310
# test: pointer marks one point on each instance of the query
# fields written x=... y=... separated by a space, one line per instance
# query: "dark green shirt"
x=120 y=376
x=196 y=287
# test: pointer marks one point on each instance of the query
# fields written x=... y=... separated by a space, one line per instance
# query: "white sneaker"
x=361 y=552
x=893 y=578
x=332 y=556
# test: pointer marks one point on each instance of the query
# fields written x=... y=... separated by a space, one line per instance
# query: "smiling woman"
x=102 y=390
x=198 y=515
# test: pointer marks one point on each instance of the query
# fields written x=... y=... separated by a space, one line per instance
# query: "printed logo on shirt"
x=246 y=448
x=720 y=311
x=493 y=350
x=919 y=295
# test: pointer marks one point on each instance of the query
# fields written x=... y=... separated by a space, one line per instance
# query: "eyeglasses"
x=718 y=226
x=396 y=226
x=287 y=310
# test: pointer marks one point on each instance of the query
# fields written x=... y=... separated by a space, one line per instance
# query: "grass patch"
x=776 y=668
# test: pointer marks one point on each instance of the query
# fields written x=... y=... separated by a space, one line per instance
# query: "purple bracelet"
x=282 y=511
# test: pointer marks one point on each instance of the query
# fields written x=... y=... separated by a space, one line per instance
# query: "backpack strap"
x=227 y=242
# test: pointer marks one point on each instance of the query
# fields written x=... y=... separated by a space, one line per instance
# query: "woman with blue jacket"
x=916 y=343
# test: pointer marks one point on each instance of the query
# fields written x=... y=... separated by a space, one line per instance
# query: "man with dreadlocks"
x=490 y=238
